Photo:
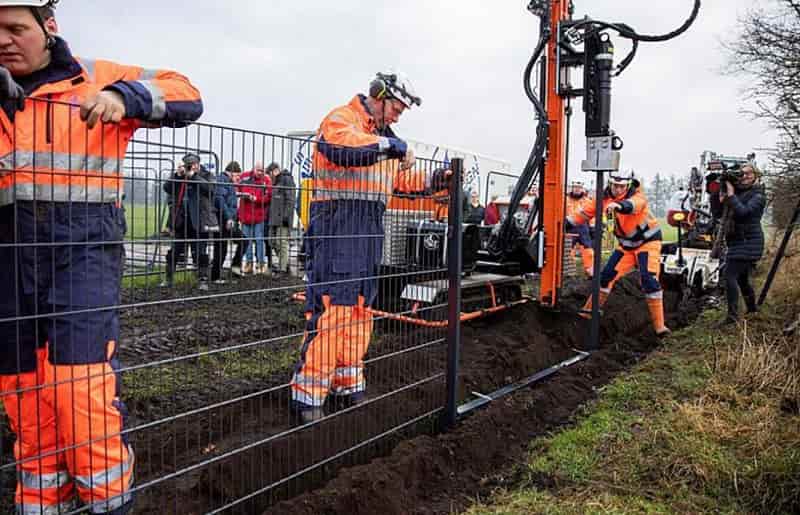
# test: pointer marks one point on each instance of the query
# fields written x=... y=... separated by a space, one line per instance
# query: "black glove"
x=10 y=90
x=440 y=180
x=568 y=226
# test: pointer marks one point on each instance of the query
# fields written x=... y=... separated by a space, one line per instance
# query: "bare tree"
x=766 y=49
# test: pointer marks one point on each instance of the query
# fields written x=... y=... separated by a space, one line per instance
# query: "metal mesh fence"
x=204 y=341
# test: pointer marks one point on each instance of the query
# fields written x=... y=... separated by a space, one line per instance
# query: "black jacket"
x=193 y=201
x=745 y=237
x=473 y=214
x=281 y=209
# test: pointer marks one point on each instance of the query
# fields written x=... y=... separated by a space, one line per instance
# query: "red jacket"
x=492 y=215
x=252 y=212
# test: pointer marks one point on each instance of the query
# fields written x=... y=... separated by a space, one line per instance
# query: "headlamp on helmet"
x=394 y=85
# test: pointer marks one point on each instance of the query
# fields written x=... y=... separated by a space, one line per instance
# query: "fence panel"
x=174 y=380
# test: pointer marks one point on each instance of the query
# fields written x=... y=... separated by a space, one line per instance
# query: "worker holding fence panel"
x=358 y=164
x=639 y=238
x=66 y=123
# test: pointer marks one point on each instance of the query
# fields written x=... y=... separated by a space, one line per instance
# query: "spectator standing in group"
x=194 y=217
x=254 y=197
x=281 y=214
x=475 y=212
x=226 y=203
x=492 y=213
x=270 y=170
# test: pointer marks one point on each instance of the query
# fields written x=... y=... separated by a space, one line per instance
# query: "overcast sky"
x=281 y=65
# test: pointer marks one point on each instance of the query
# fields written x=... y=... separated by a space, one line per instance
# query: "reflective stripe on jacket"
x=633 y=224
x=353 y=161
x=48 y=154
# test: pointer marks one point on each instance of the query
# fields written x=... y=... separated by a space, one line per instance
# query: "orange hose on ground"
x=465 y=317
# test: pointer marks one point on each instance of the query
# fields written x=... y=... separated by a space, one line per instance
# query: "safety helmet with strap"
x=35 y=6
x=622 y=179
x=394 y=85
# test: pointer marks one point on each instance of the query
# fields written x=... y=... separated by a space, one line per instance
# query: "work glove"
x=108 y=106
x=440 y=179
x=10 y=90
x=568 y=225
x=229 y=225
x=408 y=160
x=613 y=208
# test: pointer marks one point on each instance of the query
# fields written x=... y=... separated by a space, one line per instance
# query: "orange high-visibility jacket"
x=575 y=204
x=633 y=224
x=353 y=161
x=48 y=154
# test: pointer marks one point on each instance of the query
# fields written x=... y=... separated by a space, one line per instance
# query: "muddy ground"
x=444 y=474
x=417 y=473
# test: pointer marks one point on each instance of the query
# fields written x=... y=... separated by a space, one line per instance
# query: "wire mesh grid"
x=169 y=316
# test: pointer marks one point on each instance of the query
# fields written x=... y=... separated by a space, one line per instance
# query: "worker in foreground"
x=639 y=238
x=66 y=123
x=577 y=199
x=358 y=163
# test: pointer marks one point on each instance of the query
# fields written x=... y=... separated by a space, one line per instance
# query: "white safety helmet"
x=394 y=85
x=622 y=178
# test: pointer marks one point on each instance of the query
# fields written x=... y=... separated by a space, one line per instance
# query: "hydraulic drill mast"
x=553 y=177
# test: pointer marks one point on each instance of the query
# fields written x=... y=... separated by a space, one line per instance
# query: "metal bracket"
x=600 y=155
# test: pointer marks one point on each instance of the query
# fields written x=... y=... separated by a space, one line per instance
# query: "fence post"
x=779 y=256
x=454 y=257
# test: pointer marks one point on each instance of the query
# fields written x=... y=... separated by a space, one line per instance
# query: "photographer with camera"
x=744 y=200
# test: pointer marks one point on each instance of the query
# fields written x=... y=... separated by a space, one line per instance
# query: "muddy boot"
x=656 y=307
x=339 y=402
x=202 y=278
x=302 y=414
x=169 y=276
x=586 y=310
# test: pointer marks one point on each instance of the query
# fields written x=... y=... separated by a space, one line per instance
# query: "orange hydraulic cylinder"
x=554 y=171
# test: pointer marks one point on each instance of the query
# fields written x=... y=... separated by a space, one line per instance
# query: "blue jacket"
x=746 y=238
x=225 y=198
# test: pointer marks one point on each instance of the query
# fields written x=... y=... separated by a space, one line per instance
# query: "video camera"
x=726 y=169
x=728 y=173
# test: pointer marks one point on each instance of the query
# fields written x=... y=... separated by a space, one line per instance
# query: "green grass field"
x=143 y=220
x=708 y=423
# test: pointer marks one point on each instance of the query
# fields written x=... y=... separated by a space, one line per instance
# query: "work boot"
x=247 y=268
x=656 y=307
x=340 y=402
x=302 y=415
x=586 y=310
x=237 y=270
x=750 y=302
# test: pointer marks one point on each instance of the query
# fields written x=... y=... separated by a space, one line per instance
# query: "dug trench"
x=444 y=473
x=417 y=472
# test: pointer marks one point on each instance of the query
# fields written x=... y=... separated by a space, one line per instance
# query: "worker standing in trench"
x=358 y=163
x=66 y=123
x=639 y=238
x=577 y=199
